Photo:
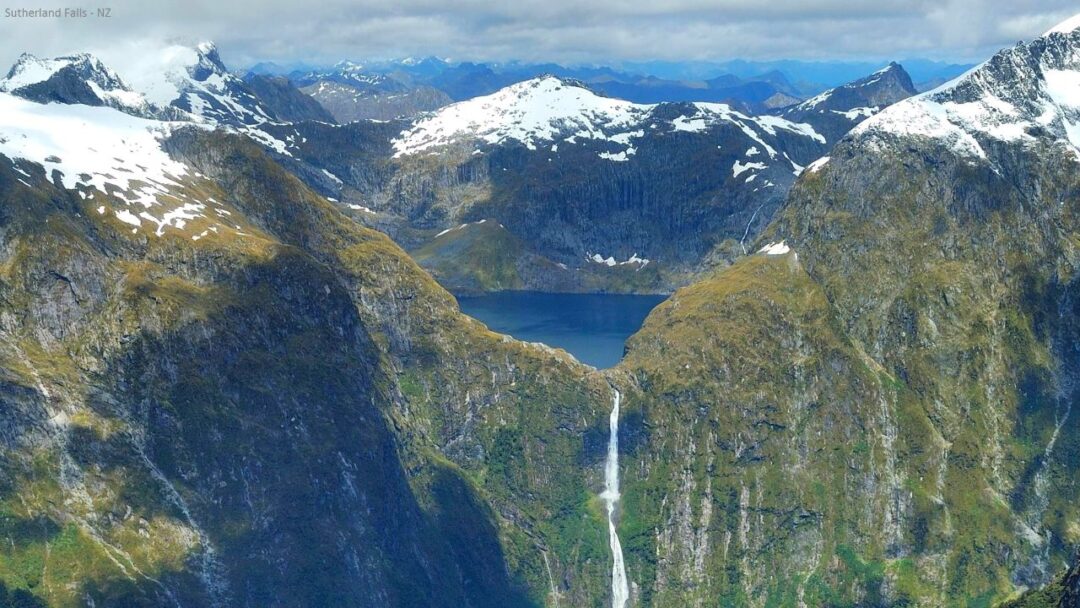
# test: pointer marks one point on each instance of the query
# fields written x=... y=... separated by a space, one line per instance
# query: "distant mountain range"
x=388 y=89
x=585 y=191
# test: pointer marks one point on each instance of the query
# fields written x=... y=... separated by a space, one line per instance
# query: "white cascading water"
x=620 y=590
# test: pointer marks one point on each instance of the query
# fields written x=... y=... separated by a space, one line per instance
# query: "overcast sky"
x=568 y=31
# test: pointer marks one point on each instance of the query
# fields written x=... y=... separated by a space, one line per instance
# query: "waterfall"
x=620 y=591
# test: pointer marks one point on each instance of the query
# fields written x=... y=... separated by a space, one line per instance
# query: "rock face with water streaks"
x=880 y=411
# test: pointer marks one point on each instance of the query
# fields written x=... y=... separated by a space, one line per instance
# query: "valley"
x=434 y=334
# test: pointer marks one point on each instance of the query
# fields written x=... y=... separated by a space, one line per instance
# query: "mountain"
x=352 y=92
x=570 y=173
x=942 y=233
x=170 y=82
x=834 y=112
x=219 y=390
x=350 y=103
x=751 y=95
x=466 y=80
x=285 y=102
x=78 y=79
x=825 y=74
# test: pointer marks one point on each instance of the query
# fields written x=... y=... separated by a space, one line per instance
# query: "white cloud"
x=603 y=31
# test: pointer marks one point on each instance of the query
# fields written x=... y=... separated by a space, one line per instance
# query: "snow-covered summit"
x=97 y=127
x=191 y=78
x=884 y=87
x=75 y=79
x=834 y=112
x=1027 y=93
x=548 y=109
x=529 y=112
x=30 y=70
x=164 y=81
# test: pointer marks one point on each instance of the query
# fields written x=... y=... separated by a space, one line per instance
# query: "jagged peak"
x=29 y=70
x=152 y=79
x=858 y=90
x=1022 y=93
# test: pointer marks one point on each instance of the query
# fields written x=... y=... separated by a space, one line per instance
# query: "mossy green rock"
x=293 y=416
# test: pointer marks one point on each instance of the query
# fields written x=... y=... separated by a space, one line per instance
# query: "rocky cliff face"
x=266 y=404
x=878 y=408
x=1062 y=593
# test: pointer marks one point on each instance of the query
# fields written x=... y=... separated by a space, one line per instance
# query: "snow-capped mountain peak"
x=529 y=112
x=835 y=111
x=30 y=70
x=1023 y=94
x=884 y=87
x=170 y=81
x=115 y=162
x=51 y=114
x=548 y=109
x=74 y=79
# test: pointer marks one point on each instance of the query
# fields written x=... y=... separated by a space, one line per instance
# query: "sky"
x=600 y=32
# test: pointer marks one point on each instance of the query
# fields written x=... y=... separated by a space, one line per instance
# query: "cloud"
x=573 y=31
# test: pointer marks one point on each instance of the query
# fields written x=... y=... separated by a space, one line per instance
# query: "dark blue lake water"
x=592 y=327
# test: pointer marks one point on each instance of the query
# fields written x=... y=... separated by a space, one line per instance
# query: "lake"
x=592 y=327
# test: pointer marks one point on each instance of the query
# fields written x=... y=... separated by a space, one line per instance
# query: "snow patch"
x=461 y=227
x=32 y=70
x=618 y=156
x=128 y=217
x=775 y=248
x=610 y=260
x=817 y=165
x=857 y=113
x=333 y=177
x=102 y=149
x=739 y=167
x=921 y=117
